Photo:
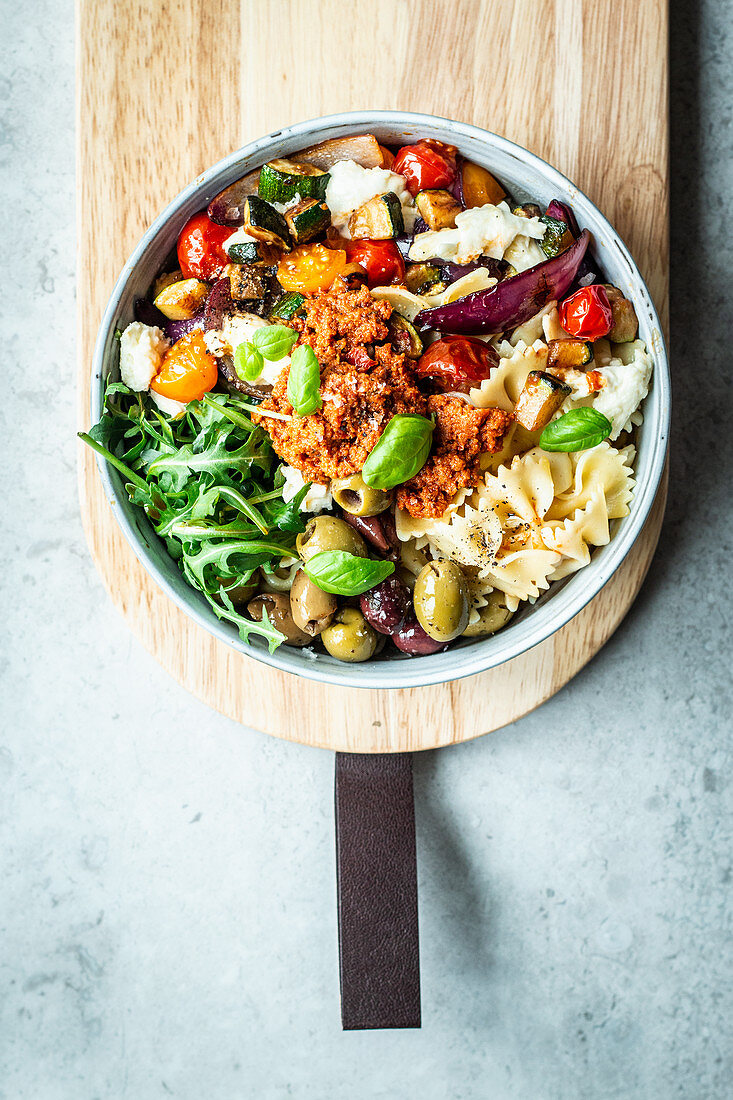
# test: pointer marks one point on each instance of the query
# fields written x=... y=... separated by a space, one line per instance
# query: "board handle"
x=376 y=867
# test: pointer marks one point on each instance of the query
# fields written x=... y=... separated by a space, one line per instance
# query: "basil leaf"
x=304 y=381
x=275 y=341
x=577 y=430
x=248 y=362
x=400 y=452
x=345 y=574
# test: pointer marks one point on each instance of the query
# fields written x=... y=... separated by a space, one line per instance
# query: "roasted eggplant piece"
x=572 y=353
x=228 y=206
x=234 y=383
x=540 y=399
x=265 y=223
x=437 y=208
x=379 y=219
x=248 y=281
x=625 y=322
x=364 y=149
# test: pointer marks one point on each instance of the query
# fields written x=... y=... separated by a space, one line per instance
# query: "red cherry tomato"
x=382 y=260
x=426 y=164
x=457 y=362
x=587 y=313
x=200 y=251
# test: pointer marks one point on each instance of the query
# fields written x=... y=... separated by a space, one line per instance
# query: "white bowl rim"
x=540 y=622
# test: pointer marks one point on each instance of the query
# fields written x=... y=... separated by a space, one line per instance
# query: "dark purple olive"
x=386 y=606
x=377 y=530
x=412 y=639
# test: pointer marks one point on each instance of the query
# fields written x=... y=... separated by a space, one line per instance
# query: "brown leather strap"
x=377 y=891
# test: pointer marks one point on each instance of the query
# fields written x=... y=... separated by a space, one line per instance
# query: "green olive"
x=312 y=608
x=359 y=499
x=329 y=533
x=350 y=637
x=490 y=618
x=277 y=605
x=441 y=600
x=238 y=592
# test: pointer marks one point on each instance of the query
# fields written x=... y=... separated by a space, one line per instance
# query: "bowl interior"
x=526 y=176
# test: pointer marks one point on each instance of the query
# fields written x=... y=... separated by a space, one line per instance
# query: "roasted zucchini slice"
x=253 y=252
x=625 y=322
x=403 y=336
x=557 y=238
x=287 y=306
x=265 y=223
x=307 y=220
x=282 y=180
x=378 y=219
x=180 y=300
x=423 y=278
x=568 y=353
x=438 y=208
x=248 y=281
x=540 y=399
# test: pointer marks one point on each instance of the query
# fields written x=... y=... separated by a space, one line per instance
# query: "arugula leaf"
x=263 y=628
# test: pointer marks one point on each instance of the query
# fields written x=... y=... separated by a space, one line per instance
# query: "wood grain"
x=164 y=90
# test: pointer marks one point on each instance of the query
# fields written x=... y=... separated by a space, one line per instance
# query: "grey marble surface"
x=167 y=919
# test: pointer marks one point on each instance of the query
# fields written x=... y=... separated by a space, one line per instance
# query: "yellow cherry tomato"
x=310 y=267
x=188 y=370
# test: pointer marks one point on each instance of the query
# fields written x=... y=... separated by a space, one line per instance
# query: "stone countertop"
x=167 y=910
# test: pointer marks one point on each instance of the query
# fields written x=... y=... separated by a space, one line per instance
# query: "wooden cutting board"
x=166 y=89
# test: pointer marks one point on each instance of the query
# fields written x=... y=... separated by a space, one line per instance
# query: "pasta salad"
x=376 y=404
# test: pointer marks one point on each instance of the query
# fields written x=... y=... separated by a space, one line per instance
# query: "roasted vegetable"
x=307 y=220
x=282 y=180
x=438 y=208
x=557 y=238
x=248 y=281
x=424 y=279
x=228 y=206
x=265 y=223
x=568 y=353
x=364 y=149
x=540 y=399
x=527 y=210
x=512 y=301
x=625 y=322
x=253 y=252
x=378 y=219
x=181 y=300
x=404 y=337
x=478 y=187
x=287 y=306
x=562 y=213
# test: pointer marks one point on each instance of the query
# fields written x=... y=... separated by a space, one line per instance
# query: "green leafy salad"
x=210 y=484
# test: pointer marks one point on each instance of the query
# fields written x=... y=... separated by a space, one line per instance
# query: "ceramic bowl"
x=527 y=176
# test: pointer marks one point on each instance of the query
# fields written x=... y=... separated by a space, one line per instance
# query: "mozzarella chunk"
x=625 y=385
x=317 y=499
x=142 y=348
x=482 y=231
x=350 y=186
x=167 y=405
